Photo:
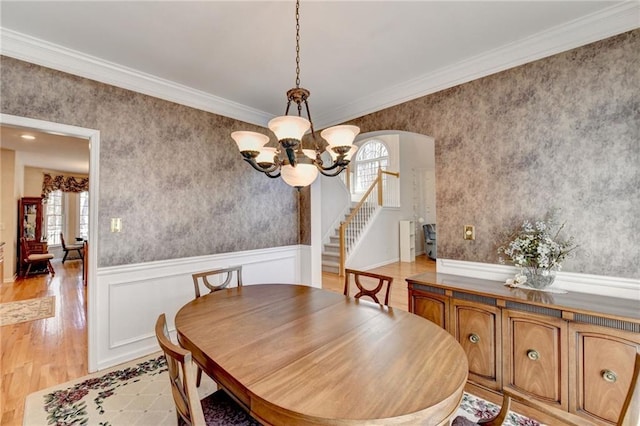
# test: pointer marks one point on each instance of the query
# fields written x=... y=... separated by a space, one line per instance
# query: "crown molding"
x=41 y=52
x=606 y=23
x=597 y=26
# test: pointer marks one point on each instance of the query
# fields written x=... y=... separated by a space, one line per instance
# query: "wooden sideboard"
x=574 y=352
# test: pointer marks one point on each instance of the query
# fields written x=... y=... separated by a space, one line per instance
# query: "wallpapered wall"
x=562 y=132
x=172 y=173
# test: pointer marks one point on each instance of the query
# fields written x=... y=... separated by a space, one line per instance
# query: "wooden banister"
x=377 y=183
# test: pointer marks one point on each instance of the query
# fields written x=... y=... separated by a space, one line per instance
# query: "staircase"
x=331 y=250
x=334 y=257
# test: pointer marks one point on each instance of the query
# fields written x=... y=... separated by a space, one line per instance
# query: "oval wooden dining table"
x=298 y=355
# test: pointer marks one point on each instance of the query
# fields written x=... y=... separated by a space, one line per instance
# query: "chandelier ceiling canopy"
x=298 y=167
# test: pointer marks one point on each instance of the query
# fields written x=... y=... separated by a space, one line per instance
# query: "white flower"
x=535 y=246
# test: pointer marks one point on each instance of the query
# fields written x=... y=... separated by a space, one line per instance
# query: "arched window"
x=371 y=156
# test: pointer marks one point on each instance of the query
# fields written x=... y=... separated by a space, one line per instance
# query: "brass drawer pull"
x=609 y=376
x=474 y=338
x=533 y=355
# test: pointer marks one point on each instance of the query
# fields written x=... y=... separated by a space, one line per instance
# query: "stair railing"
x=352 y=226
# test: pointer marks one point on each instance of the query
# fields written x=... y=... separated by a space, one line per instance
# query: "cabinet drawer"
x=477 y=329
x=535 y=357
x=433 y=307
x=602 y=365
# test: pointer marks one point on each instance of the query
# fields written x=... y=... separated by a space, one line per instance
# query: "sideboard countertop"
x=585 y=303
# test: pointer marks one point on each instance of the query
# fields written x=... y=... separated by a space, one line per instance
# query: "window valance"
x=63 y=183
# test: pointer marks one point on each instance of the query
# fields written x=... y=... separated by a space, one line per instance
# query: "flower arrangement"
x=538 y=250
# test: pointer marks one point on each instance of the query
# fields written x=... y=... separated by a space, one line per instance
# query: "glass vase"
x=539 y=278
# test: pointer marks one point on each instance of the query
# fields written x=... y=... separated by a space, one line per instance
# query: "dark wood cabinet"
x=30 y=227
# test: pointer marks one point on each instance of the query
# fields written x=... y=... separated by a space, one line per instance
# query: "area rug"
x=138 y=393
x=27 y=310
x=135 y=393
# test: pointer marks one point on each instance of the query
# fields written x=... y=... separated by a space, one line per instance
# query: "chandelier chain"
x=298 y=43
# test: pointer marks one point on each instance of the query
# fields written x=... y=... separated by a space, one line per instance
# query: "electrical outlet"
x=469 y=232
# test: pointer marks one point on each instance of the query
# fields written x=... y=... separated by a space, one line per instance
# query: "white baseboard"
x=626 y=288
x=131 y=297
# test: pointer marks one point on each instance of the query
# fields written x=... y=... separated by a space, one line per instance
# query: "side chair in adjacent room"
x=34 y=258
x=71 y=247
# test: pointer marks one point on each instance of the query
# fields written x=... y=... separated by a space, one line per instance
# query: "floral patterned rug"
x=475 y=408
x=138 y=393
x=27 y=310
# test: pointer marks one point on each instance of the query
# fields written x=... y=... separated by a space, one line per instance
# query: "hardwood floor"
x=42 y=353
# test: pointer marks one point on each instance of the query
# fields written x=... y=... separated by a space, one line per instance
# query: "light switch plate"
x=116 y=224
x=469 y=232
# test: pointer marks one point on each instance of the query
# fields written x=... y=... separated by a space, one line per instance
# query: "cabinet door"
x=433 y=307
x=535 y=355
x=477 y=328
x=602 y=361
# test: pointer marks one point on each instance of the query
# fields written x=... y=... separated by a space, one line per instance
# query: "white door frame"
x=94 y=165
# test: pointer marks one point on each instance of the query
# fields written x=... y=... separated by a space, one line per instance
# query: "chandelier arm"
x=324 y=171
x=260 y=169
x=273 y=176
x=336 y=164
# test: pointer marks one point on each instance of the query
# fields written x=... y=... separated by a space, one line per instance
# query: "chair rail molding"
x=626 y=288
x=132 y=296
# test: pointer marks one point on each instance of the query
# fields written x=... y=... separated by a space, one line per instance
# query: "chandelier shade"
x=266 y=156
x=249 y=141
x=339 y=136
x=304 y=173
x=298 y=167
x=289 y=127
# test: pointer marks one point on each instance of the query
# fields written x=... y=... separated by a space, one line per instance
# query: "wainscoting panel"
x=626 y=288
x=131 y=297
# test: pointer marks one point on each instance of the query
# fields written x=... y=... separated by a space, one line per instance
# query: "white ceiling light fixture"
x=28 y=137
x=298 y=167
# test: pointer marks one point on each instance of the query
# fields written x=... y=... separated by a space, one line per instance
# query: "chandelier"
x=298 y=167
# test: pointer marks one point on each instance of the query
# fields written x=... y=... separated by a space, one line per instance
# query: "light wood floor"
x=43 y=353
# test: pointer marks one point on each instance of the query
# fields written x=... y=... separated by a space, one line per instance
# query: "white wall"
x=408 y=152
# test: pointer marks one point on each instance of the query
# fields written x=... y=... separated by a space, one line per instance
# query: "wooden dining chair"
x=216 y=409
x=369 y=284
x=31 y=257
x=223 y=277
x=629 y=416
x=71 y=247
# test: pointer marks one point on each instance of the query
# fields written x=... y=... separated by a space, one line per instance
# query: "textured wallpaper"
x=562 y=132
x=172 y=173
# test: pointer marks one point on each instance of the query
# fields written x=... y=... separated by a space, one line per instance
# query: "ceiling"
x=237 y=58
x=47 y=151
